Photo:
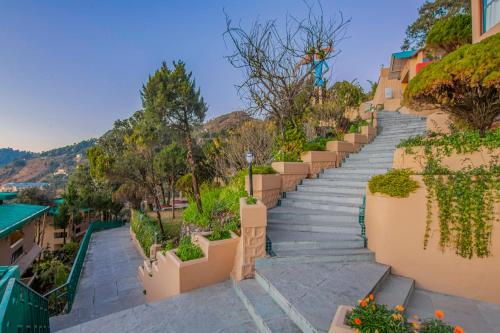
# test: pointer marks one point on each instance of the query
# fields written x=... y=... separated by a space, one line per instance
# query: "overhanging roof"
x=8 y=195
x=404 y=54
x=14 y=216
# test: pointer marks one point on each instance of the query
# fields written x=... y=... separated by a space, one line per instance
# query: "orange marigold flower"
x=363 y=303
x=439 y=314
x=371 y=297
x=399 y=308
x=357 y=321
x=458 y=329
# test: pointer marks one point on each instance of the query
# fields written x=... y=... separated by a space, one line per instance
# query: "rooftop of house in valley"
x=13 y=216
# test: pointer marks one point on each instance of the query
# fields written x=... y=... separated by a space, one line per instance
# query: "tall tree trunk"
x=169 y=194
x=163 y=194
x=192 y=166
x=173 y=199
x=158 y=213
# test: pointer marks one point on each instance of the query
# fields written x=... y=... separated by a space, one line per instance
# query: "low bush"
x=251 y=200
x=187 y=250
x=258 y=170
x=318 y=144
x=355 y=126
x=146 y=230
x=395 y=183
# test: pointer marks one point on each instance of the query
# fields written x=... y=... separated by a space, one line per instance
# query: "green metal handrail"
x=22 y=309
x=61 y=298
x=361 y=220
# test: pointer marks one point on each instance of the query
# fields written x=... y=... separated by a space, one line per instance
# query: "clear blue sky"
x=68 y=69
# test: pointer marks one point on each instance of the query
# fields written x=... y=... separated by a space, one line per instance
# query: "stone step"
x=363 y=164
x=318 y=239
x=325 y=181
x=305 y=245
x=368 y=159
x=364 y=155
x=299 y=257
x=303 y=195
x=394 y=290
x=320 y=252
x=331 y=190
x=291 y=213
x=266 y=314
x=328 y=221
x=346 y=177
x=334 y=229
x=354 y=170
x=341 y=208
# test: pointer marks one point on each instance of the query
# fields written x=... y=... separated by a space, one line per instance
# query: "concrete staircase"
x=319 y=221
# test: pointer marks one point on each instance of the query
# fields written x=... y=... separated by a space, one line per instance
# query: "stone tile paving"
x=317 y=289
x=212 y=309
x=473 y=316
x=109 y=281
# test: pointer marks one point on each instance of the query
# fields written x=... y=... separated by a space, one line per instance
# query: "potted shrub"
x=266 y=184
x=317 y=157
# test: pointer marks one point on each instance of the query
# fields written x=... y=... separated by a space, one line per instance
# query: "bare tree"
x=269 y=53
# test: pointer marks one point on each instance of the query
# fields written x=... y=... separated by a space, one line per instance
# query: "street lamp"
x=249 y=158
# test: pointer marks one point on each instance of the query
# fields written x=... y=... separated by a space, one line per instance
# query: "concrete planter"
x=340 y=148
x=400 y=245
x=416 y=160
x=358 y=140
x=338 y=324
x=292 y=173
x=266 y=188
x=318 y=161
x=369 y=131
x=169 y=276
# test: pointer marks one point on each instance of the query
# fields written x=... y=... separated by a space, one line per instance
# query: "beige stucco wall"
x=384 y=82
x=416 y=160
x=477 y=23
x=292 y=173
x=357 y=140
x=28 y=241
x=266 y=188
x=395 y=230
x=318 y=161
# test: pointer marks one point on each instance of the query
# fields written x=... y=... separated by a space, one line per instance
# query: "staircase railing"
x=361 y=220
x=61 y=298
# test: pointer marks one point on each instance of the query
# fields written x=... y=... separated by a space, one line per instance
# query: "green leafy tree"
x=450 y=33
x=172 y=94
x=428 y=14
x=52 y=273
x=171 y=161
x=464 y=83
x=34 y=196
x=348 y=93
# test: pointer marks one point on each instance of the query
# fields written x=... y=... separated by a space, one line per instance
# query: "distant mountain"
x=8 y=155
x=226 y=122
x=52 y=166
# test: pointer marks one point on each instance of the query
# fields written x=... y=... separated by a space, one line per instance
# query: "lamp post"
x=249 y=158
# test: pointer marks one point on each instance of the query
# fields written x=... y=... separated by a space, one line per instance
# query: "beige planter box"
x=338 y=324
x=369 y=131
x=318 y=161
x=252 y=243
x=341 y=148
x=169 y=276
x=395 y=230
x=358 y=140
x=291 y=173
x=417 y=161
x=266 y=188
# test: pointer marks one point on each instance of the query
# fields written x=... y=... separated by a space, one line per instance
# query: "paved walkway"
x=109 y=280
x=212 y=309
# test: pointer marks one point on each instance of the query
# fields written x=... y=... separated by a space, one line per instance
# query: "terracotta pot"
x=292 y=173
x=266 y=188
x=318 y=161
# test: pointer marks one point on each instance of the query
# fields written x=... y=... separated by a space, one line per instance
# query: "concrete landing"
x=473 y=316
x=109 y=280
x=212 y=309
x=312 y=292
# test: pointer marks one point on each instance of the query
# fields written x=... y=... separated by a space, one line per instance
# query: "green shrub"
x=464 y=83
x=395 y=183
x=355 y=126
x=450 y=33
x=251 y=200
x=219 y=235
x=187 y=250
x=318 y=144
x=291 y=145
x=169 y=245
x=259 y=170
x=146 y=230
x=435 y=326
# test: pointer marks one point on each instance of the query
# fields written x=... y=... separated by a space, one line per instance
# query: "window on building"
x=16 y=254
x=491 y=14
x=59 y=234
x=16 y=236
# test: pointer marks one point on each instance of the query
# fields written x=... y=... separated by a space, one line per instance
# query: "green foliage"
x=291 y=145
x=435 y=326
x=33 y=196
x=317 y=144
x=146 y=230
x=464 y=83
x=251 y=200
x=450 y=33
x=51 y=272
x=219 y=235
x=185 y=184
x=169 y=245
x=8 y=155
x=67 y=252
x=257 y=170
x=370 y=317
x=355 y=126
x=430 y=12
x=187 y=250
x=395 y=183
x=460 y=142
x=348 y=93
